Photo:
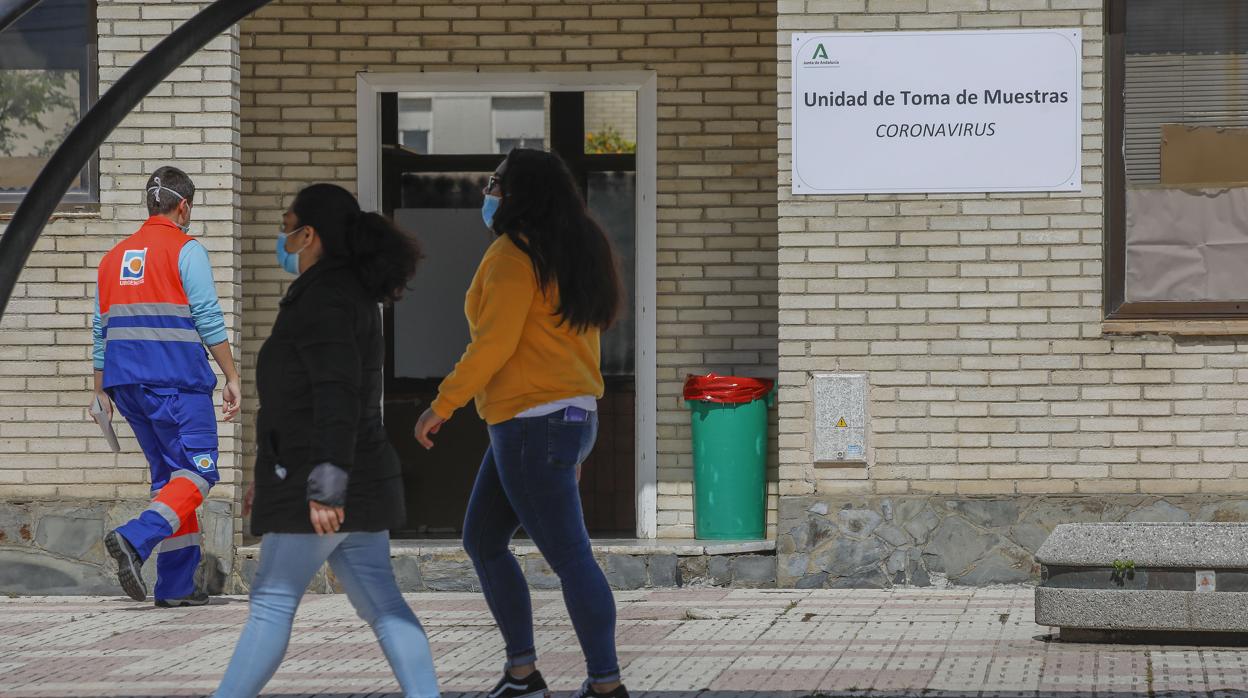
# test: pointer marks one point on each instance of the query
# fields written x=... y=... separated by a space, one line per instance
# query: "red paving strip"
x=887 y=644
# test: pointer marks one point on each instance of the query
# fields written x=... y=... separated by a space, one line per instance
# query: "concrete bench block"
x=1204 y=545
x=1144 y=577
x=1110 y=609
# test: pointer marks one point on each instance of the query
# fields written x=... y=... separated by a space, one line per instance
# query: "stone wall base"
x=55 y=547
x=843 y=541
x=451 y=570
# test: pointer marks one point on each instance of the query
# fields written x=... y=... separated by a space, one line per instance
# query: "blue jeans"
x=361 y=561
x=528 y=478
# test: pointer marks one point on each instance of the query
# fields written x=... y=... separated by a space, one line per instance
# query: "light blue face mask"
x=289 y=260
x=489 y=208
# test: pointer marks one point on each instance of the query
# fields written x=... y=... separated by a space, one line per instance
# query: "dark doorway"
x=438 y=150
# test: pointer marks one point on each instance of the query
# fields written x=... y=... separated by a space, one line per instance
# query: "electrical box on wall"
x=840 y=418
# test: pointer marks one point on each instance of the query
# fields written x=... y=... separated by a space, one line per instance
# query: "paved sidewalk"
x=711 y=643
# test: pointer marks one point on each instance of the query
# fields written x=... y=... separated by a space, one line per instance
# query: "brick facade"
x=295 y=81
x=48 y=449
x=978 y=318
x=717 y=135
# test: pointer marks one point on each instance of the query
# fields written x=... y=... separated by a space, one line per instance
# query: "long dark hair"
x=383 y=257
x=544 y=214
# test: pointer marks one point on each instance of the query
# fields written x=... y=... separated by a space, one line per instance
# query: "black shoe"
x=532 y=686
x=129 y=566
x=199 y=598
x=587 y=691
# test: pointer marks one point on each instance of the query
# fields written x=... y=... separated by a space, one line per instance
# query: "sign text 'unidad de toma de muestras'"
x=937 y=112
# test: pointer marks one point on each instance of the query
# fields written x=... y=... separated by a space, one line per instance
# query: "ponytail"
x=383 y=257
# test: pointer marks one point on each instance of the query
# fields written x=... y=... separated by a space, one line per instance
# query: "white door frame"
x=369 y=86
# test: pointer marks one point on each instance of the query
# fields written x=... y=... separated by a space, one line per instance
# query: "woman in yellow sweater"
x=544 y=291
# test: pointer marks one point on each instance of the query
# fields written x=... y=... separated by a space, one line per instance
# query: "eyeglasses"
x=492 y=182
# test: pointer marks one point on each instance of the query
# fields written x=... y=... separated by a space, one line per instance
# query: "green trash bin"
x=729 y=417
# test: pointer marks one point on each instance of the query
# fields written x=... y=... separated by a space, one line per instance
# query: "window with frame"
x=47 y=82
x=1177 y=160
x=519 y=122
x=415 y=121
x=438 y=194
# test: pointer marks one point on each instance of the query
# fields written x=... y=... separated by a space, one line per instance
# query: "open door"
x=437 y=151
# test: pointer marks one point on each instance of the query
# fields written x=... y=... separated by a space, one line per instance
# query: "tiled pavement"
x=680 y=644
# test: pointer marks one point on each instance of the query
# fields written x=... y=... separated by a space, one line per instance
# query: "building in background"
x=1028 y=358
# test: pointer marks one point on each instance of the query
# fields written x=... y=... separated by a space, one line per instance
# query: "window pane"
x=43 y=37
x=610 y=122
x=444 y=212
x=1186 y=26
x=612 y=198
x=1185 y=130
x=476 y=123
x=43 y=88
x=1176 y=76
x=415 y=120
x=506 y=145
x=415 y=140
x=443 y=189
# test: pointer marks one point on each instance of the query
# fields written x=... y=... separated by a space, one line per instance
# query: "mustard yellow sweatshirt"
x=520 y=355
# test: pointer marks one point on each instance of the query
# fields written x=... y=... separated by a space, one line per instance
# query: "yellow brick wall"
x=603 y=110
x=717 y=160
x=47 y=446
x=978 y=318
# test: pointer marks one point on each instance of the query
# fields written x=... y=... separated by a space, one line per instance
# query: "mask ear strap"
x=295 y=232
x=157 y=186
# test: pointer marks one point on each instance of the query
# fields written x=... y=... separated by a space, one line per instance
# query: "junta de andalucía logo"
x=820 y=57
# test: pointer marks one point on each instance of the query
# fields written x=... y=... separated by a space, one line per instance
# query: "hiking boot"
x=531 y=686
x=587 y=691
x=199 y=598
x=129 y=566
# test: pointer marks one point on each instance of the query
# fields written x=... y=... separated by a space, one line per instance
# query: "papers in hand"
x=101 y=417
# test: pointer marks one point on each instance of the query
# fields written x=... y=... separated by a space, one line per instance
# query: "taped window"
x=1177 y=146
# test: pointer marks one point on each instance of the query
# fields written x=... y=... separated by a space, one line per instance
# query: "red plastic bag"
x=731 y=390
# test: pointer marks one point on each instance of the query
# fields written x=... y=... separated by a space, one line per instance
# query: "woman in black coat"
x=327 y=482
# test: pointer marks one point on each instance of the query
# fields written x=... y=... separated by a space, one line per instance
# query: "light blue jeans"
x=361 y=561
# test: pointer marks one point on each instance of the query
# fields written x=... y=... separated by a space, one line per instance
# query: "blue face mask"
x=489 y=208
x=288 y=260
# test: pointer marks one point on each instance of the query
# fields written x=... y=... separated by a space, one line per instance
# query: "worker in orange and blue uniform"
x=156 y=310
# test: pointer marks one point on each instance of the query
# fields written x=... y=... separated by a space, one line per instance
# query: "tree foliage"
x=608 y=140
x=27 y=98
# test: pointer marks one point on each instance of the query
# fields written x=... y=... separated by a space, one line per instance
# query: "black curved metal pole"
x=58 y=175
x=12 y=10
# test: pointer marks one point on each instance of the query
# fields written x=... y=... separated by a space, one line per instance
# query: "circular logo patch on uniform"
x=133 y=263
x=203 y=462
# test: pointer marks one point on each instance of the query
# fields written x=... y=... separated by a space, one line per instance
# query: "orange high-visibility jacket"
x=149 y=334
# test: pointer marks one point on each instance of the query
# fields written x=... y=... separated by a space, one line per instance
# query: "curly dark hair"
x=384 y=257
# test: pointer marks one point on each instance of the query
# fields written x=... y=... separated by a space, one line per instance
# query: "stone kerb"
x=1113 y=577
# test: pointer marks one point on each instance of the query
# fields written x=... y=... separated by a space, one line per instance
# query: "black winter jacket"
x=319 y=376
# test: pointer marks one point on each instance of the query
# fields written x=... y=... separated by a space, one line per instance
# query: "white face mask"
x=186 y=229
x=155 y=190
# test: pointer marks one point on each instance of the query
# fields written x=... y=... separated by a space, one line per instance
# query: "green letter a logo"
x=820 y=52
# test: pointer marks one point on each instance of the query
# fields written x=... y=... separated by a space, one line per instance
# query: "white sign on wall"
x=936 y=112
